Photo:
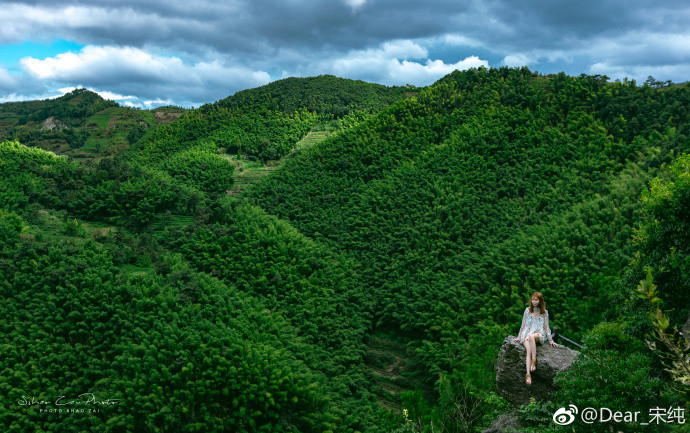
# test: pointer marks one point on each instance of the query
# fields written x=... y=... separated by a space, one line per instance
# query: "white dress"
x=535 y=325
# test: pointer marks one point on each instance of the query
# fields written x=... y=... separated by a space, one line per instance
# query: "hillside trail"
x=393 y=369
x=248 y=172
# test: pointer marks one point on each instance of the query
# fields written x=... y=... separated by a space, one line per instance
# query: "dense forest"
x=366 y=282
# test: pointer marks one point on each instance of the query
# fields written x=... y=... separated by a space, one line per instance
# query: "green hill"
x=326 y=95
x=265 y=123
x=491 y=184
x=79 y=124
x=257 y=128
x=365 y=279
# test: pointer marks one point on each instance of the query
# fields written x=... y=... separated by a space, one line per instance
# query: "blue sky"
x=12 y=53
x=147 y=53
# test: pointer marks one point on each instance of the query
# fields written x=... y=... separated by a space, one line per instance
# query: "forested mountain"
x=266 y=122
x=425 y=220
x=79 y=124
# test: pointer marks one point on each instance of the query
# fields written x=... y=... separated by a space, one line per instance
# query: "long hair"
x=541 y=306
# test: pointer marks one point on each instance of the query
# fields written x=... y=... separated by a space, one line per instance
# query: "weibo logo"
x=565 y=416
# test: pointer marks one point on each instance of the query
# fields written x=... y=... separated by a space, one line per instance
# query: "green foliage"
x=611 y=336
x=11 y=226
x=663 y=236
x=269 y=259
x=266 y=123
x=206 y=171
x=119 y=194
x=429 y=213
x=80 y=124
x=461 y=201
x=615 y=380
x=178 y=348
x=536 y=413
x=615 y=372
x=676 y=347
x=325 y=95
x=460 y=407
x=657 y=277
x=70 y=108
x=171 y=364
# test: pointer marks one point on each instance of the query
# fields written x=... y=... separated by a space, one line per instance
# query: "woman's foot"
x=528 y=379
x=534 y=364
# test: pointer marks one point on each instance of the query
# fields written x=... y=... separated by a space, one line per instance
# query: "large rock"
x=510 y=371
x=508 y=422
x=52 y=123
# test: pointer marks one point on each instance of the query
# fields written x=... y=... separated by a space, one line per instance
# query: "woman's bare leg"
x=533 y=340
x=528 y=361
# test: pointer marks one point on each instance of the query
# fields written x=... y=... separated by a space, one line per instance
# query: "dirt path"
x=248 y=172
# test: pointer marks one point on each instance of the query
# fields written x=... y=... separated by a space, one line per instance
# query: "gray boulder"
x=510 y=371
x=505 y=423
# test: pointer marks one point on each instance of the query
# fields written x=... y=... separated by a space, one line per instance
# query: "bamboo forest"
x=329 y=255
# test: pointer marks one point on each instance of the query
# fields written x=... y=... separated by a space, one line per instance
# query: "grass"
x=100 y=119
x=170 y=220
x=248 y=171
x=312 y=138
x=134 y=271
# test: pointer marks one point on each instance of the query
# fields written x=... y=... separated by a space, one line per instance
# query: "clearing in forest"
x=247 y=171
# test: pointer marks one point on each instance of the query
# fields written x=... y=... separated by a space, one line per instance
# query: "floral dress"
x=535 y=325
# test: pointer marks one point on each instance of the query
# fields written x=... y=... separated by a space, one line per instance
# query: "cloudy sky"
x=148 y=53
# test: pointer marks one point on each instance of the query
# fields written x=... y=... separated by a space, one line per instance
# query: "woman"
x=535 y=325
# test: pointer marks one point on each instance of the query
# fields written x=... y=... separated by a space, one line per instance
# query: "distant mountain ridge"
x=84 y=125
x=80 y=124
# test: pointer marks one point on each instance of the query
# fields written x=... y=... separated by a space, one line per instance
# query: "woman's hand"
x=554 y=344
x=516 y=339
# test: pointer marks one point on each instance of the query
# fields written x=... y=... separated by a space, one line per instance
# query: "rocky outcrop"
x=163 y=117
x=508 y=422
x=52 y=123
x=510 y=371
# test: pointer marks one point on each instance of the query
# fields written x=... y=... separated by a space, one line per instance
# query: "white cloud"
x=158 y=102
x=7 y=81
x=103 y=63
x=22 y=21
x=118 y=71
x=355 y=4
x=423 y=74
x=640 y=48
x=19 y=87
x=201 y=51
x=515 y=60
x=391 y=64
x=460 y=40
x=405 y=49
x=676 y=73
x=103 y=93
x=637 y=55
